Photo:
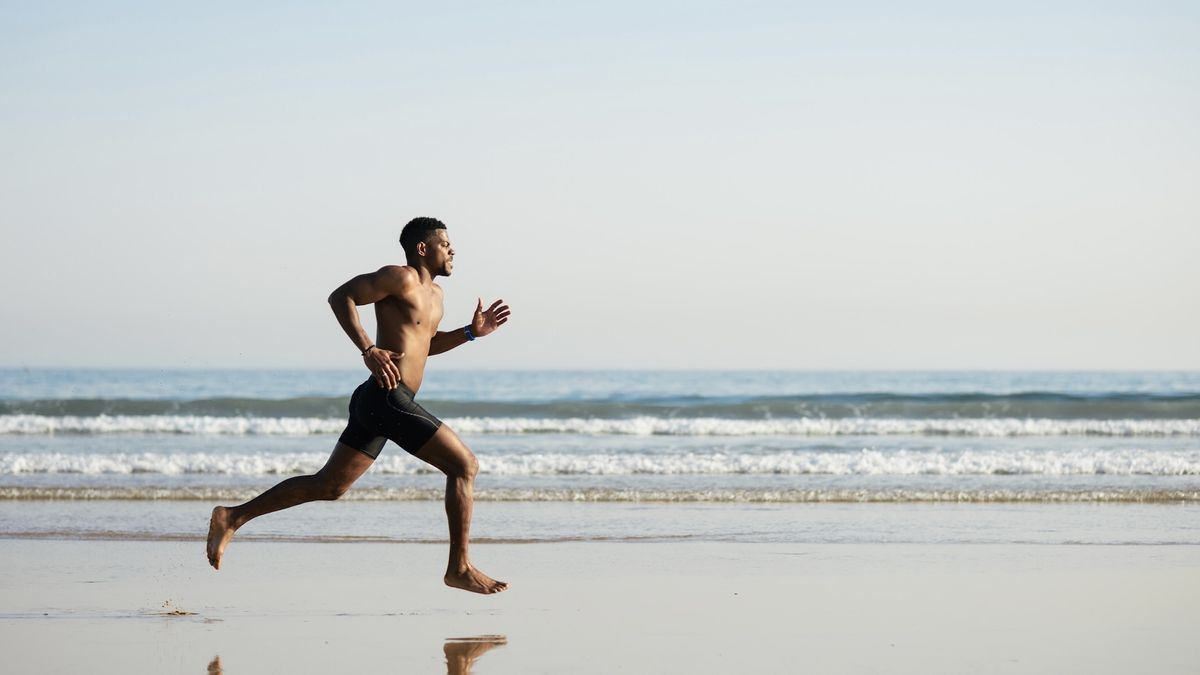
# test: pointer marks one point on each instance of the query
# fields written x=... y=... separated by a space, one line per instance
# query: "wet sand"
x=156 y=607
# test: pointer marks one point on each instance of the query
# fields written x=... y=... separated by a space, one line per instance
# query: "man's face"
x=439 y=253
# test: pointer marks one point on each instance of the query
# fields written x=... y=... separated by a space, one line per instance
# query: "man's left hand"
x=486 y=321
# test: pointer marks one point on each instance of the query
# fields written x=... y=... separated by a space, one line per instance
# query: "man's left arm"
x=484 y=322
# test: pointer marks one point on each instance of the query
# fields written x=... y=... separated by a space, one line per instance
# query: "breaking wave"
x=1037 y=405
x=638 y=426
x=1065 y=462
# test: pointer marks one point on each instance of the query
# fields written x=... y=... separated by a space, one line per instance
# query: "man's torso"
x=406 y=323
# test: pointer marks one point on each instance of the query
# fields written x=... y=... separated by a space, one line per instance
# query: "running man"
x=408 y=309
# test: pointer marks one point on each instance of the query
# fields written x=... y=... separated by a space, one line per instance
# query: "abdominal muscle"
x=412 y=365
x=412 y=341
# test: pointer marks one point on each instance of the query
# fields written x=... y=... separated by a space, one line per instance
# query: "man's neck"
x=424 y=273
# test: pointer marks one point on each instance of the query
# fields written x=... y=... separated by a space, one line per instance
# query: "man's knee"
x=329 y=490
x=449 y=454
x=465 y=466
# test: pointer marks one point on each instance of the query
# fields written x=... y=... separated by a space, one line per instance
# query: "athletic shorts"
x=378 y=416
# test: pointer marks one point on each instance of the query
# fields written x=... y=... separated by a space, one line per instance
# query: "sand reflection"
x=461 y=653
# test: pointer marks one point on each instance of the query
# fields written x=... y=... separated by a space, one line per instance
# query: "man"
x=408 y=308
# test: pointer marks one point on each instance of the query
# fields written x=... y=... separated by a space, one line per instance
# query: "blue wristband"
x=470 y=336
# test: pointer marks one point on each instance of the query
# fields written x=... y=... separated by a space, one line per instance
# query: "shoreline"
x=560 y=522
x=533 y=541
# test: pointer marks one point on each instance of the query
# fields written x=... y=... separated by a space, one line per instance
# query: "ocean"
x=1041 y=457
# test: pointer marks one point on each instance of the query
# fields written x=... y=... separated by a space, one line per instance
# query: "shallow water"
x=902 y=453
x=523 y=522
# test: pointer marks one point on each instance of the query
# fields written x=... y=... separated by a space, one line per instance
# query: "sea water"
x=1053 y=457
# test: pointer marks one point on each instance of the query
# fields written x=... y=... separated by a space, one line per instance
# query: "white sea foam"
x=1129 y=495
x=1132 y=462
x=168 y=424
x=638 y=426
x=713 y=426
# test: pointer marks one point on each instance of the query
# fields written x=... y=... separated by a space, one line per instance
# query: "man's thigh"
x=446 y=451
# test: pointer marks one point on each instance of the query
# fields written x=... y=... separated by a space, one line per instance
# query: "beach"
x=729 y=337
x=587 y=607
x=649 y=522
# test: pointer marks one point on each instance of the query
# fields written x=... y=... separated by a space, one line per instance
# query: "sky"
x=860 y=185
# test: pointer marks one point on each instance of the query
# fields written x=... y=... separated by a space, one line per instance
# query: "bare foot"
x=220 y=531
x=475 y=581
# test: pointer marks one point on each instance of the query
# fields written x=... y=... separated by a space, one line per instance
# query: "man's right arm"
x=366 y=289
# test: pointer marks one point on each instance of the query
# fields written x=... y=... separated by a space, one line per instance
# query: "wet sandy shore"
x=155 y=607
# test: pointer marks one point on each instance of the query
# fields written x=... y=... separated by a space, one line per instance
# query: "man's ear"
x=421 y=248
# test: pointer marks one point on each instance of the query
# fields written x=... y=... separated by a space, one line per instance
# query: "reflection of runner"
x=462 y=652
x=408 y=308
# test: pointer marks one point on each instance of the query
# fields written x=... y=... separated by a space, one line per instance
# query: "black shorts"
x=378 y=416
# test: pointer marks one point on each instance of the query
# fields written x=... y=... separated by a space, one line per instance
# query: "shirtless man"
x=408 y=308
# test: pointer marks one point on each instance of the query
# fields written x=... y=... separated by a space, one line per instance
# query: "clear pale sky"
x=676 y=185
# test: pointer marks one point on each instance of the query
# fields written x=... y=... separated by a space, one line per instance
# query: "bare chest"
x=418 y=310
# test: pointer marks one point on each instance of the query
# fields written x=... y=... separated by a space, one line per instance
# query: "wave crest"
x=636 y=426
x=1130 y=462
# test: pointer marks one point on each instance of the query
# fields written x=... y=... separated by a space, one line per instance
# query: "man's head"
x=425 y=241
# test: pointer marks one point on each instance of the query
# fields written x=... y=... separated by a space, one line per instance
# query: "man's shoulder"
x=397 y=279
x=403 y=272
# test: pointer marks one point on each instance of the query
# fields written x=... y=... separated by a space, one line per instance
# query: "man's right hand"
x=385 y=366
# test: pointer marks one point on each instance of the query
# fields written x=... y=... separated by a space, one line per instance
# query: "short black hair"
x=418 y=230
